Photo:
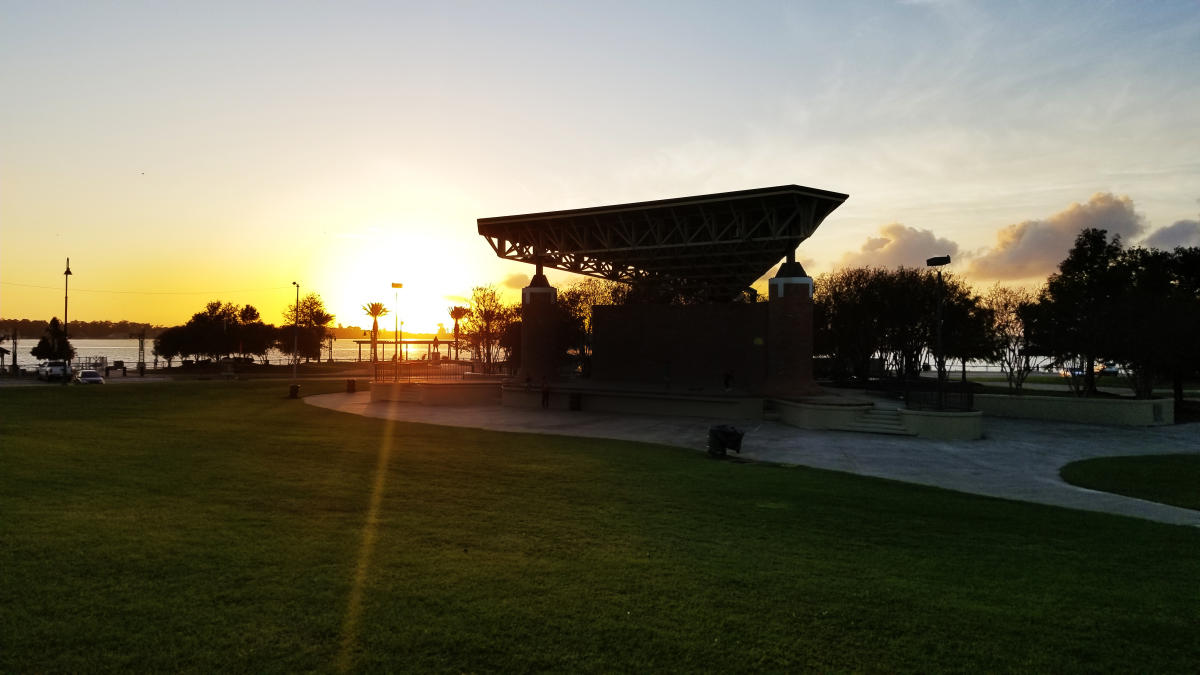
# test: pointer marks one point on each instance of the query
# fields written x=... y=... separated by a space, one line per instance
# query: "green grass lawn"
x=1169 y=479
x=213 y=526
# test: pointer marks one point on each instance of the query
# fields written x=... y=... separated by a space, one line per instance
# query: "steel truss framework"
x=708 y=247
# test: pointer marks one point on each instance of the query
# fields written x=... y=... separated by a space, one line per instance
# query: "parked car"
x=1100 y=370
x=52 y=370
x=89 y=377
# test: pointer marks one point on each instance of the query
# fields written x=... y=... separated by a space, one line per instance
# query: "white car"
x=89 y=377
x=52 y=370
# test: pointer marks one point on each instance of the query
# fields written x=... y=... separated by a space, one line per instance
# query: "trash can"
x=351 y=386
x=722 y=437
x=294 y=391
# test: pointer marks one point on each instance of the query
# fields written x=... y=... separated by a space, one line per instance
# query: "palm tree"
x=457 y=313
x=374 y=310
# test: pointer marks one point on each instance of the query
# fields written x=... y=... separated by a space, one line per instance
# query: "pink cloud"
x=899 y=246
x=1034 y=248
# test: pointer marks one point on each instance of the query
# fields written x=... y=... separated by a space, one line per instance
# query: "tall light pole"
x=396 y=320
x=295 y=332
x=940 y=358
x=66 y=335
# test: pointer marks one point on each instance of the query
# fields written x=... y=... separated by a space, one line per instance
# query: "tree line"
x=1134 y=308
x=223 y=330
x=82 y=330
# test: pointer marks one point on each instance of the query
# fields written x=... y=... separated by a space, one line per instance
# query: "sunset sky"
x=185 y=152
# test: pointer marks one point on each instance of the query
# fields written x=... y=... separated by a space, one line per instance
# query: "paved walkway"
x=1017 y=459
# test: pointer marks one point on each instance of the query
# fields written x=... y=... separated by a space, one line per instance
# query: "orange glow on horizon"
x=361 y=267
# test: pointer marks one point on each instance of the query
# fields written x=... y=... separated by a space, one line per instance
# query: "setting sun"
x=361 y=266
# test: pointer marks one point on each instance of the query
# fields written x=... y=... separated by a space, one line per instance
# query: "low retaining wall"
x=935 y=425
x=944 y=426
x=1118 y=412
x=820 y=415
x=635 y=402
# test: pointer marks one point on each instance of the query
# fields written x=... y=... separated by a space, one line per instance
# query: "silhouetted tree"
x=374 y=310
x=254 y=337
x=212 y=331
x=576 y=303
x=1184 y=332
x=249 y=314
x=968 y=329
x=1075 y=311
x=847 y=316
x=909 y=316
x=312 y=320
x=486 y=323
x=1134 y=307
x=1156 y=308
x=1008 y=307
x=217 y=331
x=53 y=345
x=458 y=314
x=863 y=312
x=171 y=344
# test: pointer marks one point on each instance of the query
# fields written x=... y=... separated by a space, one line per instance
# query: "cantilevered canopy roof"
x=707 y=247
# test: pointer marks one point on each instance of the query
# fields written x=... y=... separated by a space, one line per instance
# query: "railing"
x=923 y=394
x=956 y=399
x=89 y=363
x=423 y=371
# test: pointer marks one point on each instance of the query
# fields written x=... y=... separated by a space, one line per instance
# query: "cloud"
x=898 y=245
x=1181 y=233
x=1035 y=247
x=517 y=281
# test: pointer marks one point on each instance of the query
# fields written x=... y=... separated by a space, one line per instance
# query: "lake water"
x=343 y=350
x=127 y=350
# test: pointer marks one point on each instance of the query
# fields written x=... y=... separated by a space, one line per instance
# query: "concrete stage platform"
x=832 y=410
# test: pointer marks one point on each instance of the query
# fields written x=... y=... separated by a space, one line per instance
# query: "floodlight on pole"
x=66 y=334
x=938 y=357
x=296 y=332
x=396 y=322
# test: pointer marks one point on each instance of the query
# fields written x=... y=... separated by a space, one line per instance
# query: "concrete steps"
x=880 y=421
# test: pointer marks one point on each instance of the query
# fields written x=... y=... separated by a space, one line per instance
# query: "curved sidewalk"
x=1016 y=459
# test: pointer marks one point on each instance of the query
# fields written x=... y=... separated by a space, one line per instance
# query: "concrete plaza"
x=1016 y=459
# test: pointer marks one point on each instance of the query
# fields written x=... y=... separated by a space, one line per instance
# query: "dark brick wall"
x=539 y=337
x=693 y=346
x=789 y=345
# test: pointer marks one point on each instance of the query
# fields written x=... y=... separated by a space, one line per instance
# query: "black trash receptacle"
x=351 y=386
x=722 y=437
x=294 y=391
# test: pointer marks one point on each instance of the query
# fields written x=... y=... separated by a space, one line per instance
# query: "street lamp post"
x=295 y=332
x=396 y=322
x=66 y=334
x=938 y=357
